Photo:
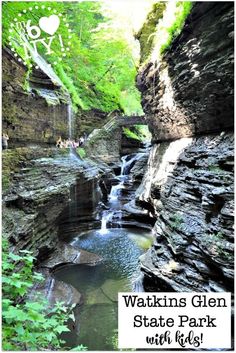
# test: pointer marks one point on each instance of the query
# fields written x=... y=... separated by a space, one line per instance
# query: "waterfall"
x=115 y=203
x=138 y=284
x=70 y=117
x=50 y=288
x=127 y=162
x=70 y=120
x=115 y=191
x=123 y=159
x=106 y=217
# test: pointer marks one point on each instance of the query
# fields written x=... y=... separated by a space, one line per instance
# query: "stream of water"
x=114 y=199
x=70 y=120
x=120 y=249
x=100 y=284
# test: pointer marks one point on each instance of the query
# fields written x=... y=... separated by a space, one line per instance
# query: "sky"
x=128 y=17
x=131 y=12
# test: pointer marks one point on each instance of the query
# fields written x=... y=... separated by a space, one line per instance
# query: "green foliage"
x=130 y=134
x=79 y=348
x=129 y=101
x=176 y=221
x=81 y=152
x=146 y=33
x=62 y=152
x=99 y=71
x=215 y=169
x=213 y=238
x=144 y=132
x=137 y=132
x=5 y=182
x=68 y=82
x=28 y=325
x=169 y=26
x=182 y=10
x=216 y=243
x=26 y=86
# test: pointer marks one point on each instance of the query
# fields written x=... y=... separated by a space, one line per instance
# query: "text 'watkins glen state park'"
x=174 y=320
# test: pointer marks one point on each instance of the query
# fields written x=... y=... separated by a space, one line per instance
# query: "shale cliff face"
x=34 y=107
x=188 y=186
x=43 y=194
x=191 y=90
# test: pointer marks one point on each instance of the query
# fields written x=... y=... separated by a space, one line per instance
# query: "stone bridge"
x=131 y=120
x=125 y=121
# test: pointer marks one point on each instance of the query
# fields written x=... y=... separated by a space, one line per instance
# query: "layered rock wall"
x=188 y=187
x=43 y=193
x=191 y=90
x=191 y=193
x=34 y=106
x=109 y=144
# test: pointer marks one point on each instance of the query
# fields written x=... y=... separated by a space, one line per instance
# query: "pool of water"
x=100 y=284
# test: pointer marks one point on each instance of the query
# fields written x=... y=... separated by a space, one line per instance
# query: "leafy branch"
x=29 y=325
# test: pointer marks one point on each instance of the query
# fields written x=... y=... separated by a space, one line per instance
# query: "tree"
x=99 y=70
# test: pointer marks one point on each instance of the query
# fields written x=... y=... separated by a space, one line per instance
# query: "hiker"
x=74 y=144
x=81 y=141
x=69 y=143
x=5 y=139
x=63 y=144
x=59 y=143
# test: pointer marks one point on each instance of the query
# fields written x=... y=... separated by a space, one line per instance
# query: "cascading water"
x=50 y=288
x=115 y=191
x=73 y=155
x=128 y=162
x=106 y=217
x=70 y=129
x=115 y=203
x=70 y=120
x=119 y=249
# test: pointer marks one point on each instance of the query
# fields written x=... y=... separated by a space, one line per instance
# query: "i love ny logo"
x=44 y=34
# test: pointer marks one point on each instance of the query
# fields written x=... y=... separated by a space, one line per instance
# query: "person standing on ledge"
x=59 y=142
x=5 y=139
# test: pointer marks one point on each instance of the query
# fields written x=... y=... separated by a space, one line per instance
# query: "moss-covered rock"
x=146 y=33
x=34 y=105
x=43 y=192
x=105 y=145
x=13 y=160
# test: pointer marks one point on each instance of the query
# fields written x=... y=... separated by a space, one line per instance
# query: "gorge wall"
x=188 y=100
x=191 y=90
x=46 y=192
x=34 y=104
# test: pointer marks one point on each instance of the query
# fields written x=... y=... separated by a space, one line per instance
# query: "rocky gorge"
x=90 y=221
x=40 y=92
x=188 y=186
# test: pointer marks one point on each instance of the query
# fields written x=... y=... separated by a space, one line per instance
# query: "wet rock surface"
x=138 y=170
x=105 y=145
x=54 y=290
x=42 y=194
x=86 y=121
x=187 y=97
x=129 y=145
x=194 y=248
x=130 y=214
x=66 y=254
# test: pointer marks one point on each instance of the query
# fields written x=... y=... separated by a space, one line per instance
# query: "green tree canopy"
x=99 y=70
